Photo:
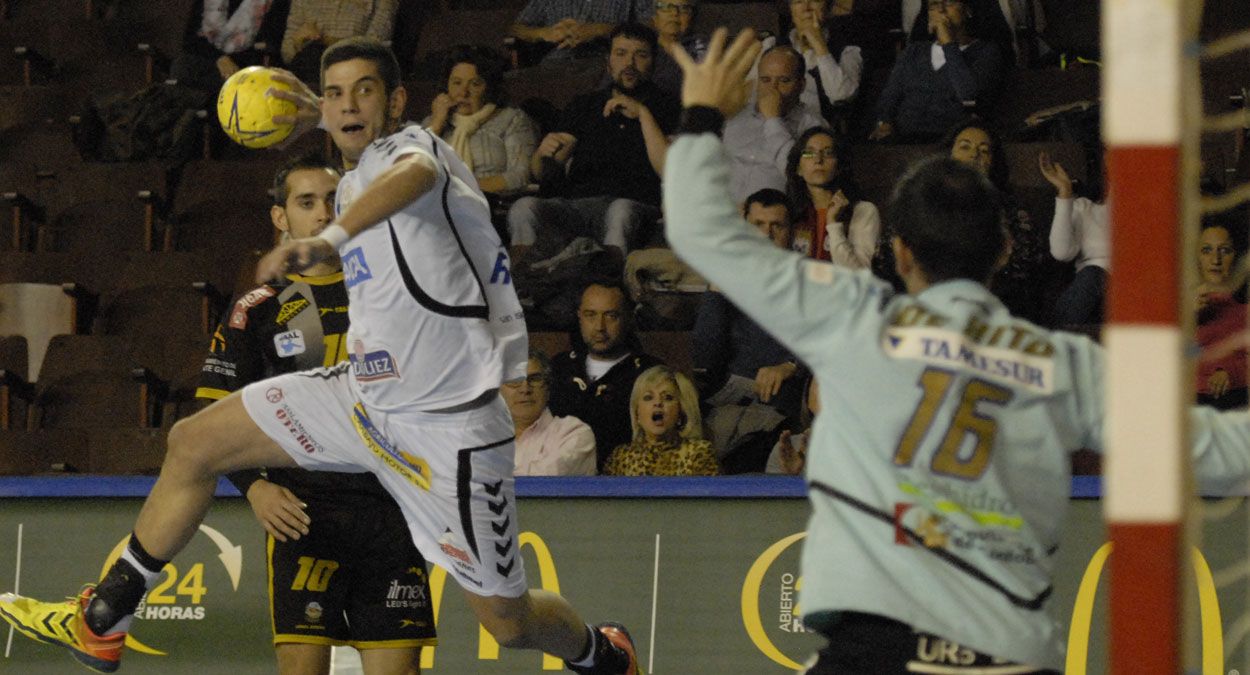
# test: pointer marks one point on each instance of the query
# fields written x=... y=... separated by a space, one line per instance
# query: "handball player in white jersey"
x=435 y=329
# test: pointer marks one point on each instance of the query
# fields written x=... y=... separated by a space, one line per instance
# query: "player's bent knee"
x=186 y=448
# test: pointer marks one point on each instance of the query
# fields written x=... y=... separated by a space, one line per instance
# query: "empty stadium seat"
x=92 y=381
x=166 y=293
x=14 y=381
x=126 y=451
x=550 y=343
x=762 y=16
x=224 y=205
x=25 y=453
x=37 y=312
x=102 y=207
x=441 y=31
x=671 y=347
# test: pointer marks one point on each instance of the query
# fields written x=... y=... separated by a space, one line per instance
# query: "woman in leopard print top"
x=668 y=430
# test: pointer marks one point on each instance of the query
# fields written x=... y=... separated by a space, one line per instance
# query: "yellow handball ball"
x=246 y=109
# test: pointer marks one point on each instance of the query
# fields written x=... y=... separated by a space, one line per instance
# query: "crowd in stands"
x=577 y=187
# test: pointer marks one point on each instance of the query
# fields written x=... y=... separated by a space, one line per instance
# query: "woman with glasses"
x=546 y=445
x=832 y=222
x=940 y=78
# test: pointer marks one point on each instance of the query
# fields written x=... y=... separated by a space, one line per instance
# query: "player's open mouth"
x=657 y=416
x=353 y=128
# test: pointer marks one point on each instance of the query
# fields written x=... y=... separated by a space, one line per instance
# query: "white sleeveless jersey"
x=435 y=321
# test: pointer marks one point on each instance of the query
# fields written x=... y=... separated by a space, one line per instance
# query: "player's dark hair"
x=767 y=197
x=366 y=48
x=952 y=219
x=489 y=65
x=311 y=160
x=636 y=31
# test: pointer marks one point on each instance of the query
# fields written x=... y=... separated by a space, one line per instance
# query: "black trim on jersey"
x=964 y=566
x=326 y=372
x=452 y=224
x=464 y=490
x=423 y=298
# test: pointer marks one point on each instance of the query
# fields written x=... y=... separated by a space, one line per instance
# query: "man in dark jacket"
x=593 y=381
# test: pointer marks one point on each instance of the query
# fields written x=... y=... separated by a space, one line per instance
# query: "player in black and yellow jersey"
x=342 y=566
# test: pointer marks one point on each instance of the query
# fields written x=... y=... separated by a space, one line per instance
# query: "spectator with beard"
x=603 y=160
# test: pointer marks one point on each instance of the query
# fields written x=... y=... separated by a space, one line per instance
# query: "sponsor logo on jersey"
x=290 y=343
x=414 y=469
x=292 y=424
x=501 y=274
x=355 y=267
x=290 y=310
x=371 y=366
x=313 y=612
x=238 y=315
x=273 y=395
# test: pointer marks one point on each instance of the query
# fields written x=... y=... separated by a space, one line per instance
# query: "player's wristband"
x=701 y=119
x=335 y=236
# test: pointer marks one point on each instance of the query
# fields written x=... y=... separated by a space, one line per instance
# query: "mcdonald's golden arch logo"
x=487 y=647
x=1083 y=611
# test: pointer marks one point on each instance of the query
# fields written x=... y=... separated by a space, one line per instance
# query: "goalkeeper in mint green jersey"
x=938 y=469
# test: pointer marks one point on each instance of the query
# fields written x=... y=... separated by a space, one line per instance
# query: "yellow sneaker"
x=62 y=624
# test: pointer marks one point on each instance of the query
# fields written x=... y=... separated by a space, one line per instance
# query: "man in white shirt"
x=759 y=138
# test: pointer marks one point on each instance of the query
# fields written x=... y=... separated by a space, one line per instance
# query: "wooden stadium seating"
x=163 y=309
x=25 y=105
x=178 y=362
x=671 y=347
x=224 y=205
x=762 y=16
x=443 y=30
x=126 y=451
x=555 y=84
x=37 y=312
x=14 y=381
x=40 y=145
x=92 y=381
x=550 y=343
x=878 y=166
x=26 y=453
x=102 y=207
x=1028 y=91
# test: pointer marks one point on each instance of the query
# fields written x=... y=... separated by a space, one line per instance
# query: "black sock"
x=119 y=592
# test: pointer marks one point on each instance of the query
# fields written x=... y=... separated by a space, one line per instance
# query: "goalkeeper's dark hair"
x=952 y=219
x=366 y=48
x=311 y=160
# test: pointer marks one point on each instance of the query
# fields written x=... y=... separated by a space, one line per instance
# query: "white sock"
x=589 y=660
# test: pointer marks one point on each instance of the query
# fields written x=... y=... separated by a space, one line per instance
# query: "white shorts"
x=452 y=474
